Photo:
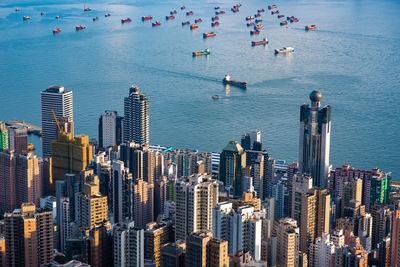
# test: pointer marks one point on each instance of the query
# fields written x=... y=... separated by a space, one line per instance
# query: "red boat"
x=250 y=24
x=57 y=30
x=294 y=20
x=280 y=16
x=198 y=20
x=283 y=23
x=157 y=23
x=189 y=13
x=41 y=13
x=80 y=27
x=220 y=12
x=183 y=7
x=126 y=20
x=216 y=23
x=272 y=7
x=147 y=18
x=169 y=17
x=26 y=18
x=254 y=32
x=235 y=9
x=249 y=18
x=209 y=34
x=17 y=9
x=263 y=42
x=257 y=27
x=173 y=12
x=194 y=26
x=215 y=18
x=289 y=18
x=260 y=10
x=257 y=15
x=274 y=12
x=258 y=20
x=185 y=23
x=311 y=27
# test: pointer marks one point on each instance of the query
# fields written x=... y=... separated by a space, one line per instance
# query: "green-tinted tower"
x=3 y=137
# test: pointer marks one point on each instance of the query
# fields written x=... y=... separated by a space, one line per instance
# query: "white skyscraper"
x=315 y=137
x=59 y=100
x=136 y=117
x=128 y=245
x=322 y=252
x=110 y=129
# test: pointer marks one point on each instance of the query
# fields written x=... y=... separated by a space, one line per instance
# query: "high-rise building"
x=232 y=163
x=59 y=100
x=381 y=223
x=160 y=194
x=156 y=236
x=196 y=251
x=287 y=253
x=136 y=117
x=248 y=139
x=128 y=245
x=218 y=253
x=300 y=184
x=18 y=139
x=395 y=237
x=139 y=159
x=2 y=251
x=315 y=135
x=196 y=197
x=4 y=145
x=70 y=154
x=322 y=252
x=173 y=254
x=143 y=203
x=110 y=129
x=28 y=236
x=121 y=191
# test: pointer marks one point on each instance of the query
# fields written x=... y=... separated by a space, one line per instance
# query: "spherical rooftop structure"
x=316 y=96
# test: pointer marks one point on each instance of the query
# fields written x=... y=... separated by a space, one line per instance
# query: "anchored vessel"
x=227 y=80
x=209 y=34
x=204 y=53
x=284 y=50
x=310 y=27
x=263 y=42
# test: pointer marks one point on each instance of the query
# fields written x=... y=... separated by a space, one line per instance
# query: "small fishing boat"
x=157 y=23
x=198 y=20
x=280 y=16
x=203 y=53
x=194 y=26
x=258 y=20
x=185 y=23
x=217 y=7
x=96 y=18
x=189 y=13
x=272 y=7
x=215 y=18
x=258 y=27
x=284 y=50
x=26 y=18
x=183 y=7
x=80 y=27
x=249 y=18
x=169 y=17
x=310 y=27
x=56 y=30
x=173 y=12
x=250 y=24
x=274 y=12
x=283 y=23
x=147 y=18
x=254 y=32
x=209 y=34
x=41 y=13
x=220 y=12
x=57 y=17
x=215 y=97
x=214 y=24
x=107 y=15
x=126 y=20
x=86 y=8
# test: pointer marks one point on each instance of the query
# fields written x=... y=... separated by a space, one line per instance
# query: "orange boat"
x=57 y=30
x=169 y=17
x=189 y=13
x=283 y=23
x=263 y=42
x=272 y=7
x=258 y=26
x=311 y=27
x=194 y=26
x=209 y=34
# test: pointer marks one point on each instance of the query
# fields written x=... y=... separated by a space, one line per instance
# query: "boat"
x=80 y=27
x=86 y=8
x=258 y=20
x=311 y=27
x=57 y=30
x=26 y=18
x=183 y=7
x=263 y=42
x=173 y=12
x=57 y=17
x=198 y=20
x=17 y=9
x=284 y=50
x=215 y=97
x=254 y=32
x=291 y=17
x=147 y=18
x=249 y=18
x=217 y=7
x=189 y=13
x=209 y=34
x=283 y=23
x=274 y=12
x=185 y=23
x=169 y=17
x=250 y=24
x=280 y=16
x=41 y=13
x=272 y=7
x=126 y=20
x=157 y=23
x=260 y=10
x=215 y=23
x=220 y=12
x=294 y=20
x=96 y=18
x=203 y=53
x=227 y=80
x=215 y=18
x=194 y=26
x=235 y=9
x=107 y=15
x=258 y=26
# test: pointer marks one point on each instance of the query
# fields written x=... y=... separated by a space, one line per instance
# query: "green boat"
x=205 y=53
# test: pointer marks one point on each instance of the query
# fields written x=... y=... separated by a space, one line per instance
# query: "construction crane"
x=58 y=124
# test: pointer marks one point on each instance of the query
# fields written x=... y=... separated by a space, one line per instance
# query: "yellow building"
x=218 y=253
x=156 y=236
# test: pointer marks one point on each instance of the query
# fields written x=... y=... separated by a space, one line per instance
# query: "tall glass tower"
x=315 y=137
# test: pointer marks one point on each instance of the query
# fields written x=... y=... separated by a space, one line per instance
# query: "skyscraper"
x=3 y=137
x=59 y=100
x=287 y=243
x=128 y=245
x=315 y=136
x=121 y=191
x=110 y=129
x=156 y=236
x=143 y=203
x=18 y=139
x=136 y=117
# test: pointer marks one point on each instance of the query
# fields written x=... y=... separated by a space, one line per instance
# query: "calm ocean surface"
x=353 y=58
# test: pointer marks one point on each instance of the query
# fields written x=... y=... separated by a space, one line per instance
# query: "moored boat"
x=189 y=13
x=169 y=17
x=257 y=15
x=80 y=27
x=56 y=30
x=209 y=34
x=107 y=15
x=217 y=7
x=96 y=18
x=17 y=9
x=289 y=18
x=283 y=23
x=185 y=23
x=126 y=20
x=310 y=27
x=41 y=13
x=274 y=12
x=235 y=9
x=258 y=20
x=173 y=12
x=215 y=97
x=255 y=32
x=206 y=52
x=157 y=23
x=26 y=18
x=263 y=42
x=280 y=16
x=257 y=27
x=249 y=18
x=215 y=18
x=220 y=12
x=194 y=26
x=272 y=6
x=183 y=7
x=284 y=50
x=147 y=18
x=227 y=80
x=215 y=23
x=250 y=24
x=198 y=20
x=294 y=20
x=260 y=10
x=57 y=17
x=86 y=8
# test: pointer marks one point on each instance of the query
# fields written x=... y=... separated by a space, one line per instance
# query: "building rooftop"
x=56 y=89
